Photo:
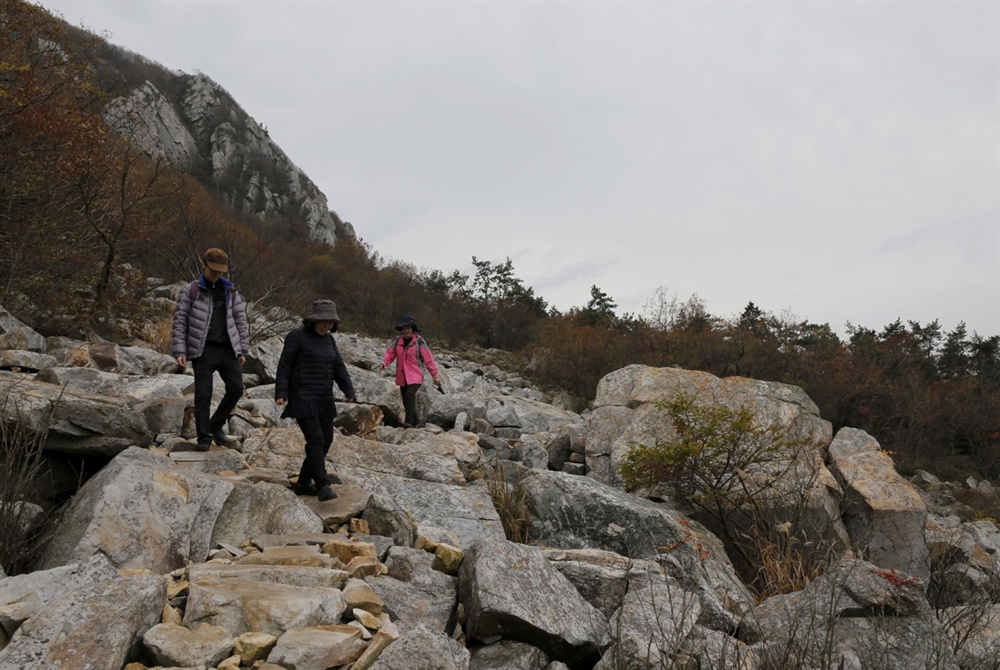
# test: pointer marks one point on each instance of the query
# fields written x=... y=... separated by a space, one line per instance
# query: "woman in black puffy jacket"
x=309 y=365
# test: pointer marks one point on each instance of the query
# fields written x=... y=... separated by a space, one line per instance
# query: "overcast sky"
x=834 y=161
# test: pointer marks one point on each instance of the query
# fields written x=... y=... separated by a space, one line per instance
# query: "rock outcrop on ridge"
x=203 y=131
x=172 y=558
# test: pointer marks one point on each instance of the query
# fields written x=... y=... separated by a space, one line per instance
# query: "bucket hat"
x=408 y=321
x=323 y=310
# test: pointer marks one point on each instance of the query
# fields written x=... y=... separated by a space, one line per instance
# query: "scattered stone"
x=345 y=550
x=359 y=595
x=318 y=647
x=253 y=647
x=172 y=645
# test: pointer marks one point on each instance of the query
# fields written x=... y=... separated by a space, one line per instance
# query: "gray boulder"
x=77 y=423
x=444 y=458
x=142 y=511
x=854 y=613
x=435 y=651
x=95 y=626
x=150 y=363
x=573 y=512
x=262 y=359
x=242 y=606
x=14 y=334
x=259 y=509
x=651 y=626
x=604 y=429
x=602 y=577
x=21 y=596
x=19 y=360
x=963 y=561
x=85 y=380
x=377 y=389
x=172 y=645
x=163 y=415
x=386 y=518
x=639 y=388
x=884 y=514
x=141 y=389
x=531 y=453
x=447 y=406
x=530 y=416
x=495 y=449
x=415 y=593
x=510 y=591
x=794 y=486
x=467 y=510
x=425 y=475
x=508 y=655
x=559 y=446
x=111 y=357
x=318 y=647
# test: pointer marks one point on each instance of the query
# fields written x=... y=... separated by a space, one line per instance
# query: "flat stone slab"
x=350 y=502
x=467 y=511
x=292 y=539
x=291 y=575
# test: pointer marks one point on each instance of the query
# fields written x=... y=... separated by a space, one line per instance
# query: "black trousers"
x=222 y=359
x=318 y=432
x=409 y=393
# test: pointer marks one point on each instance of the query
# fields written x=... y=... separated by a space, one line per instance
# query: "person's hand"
x=280 y=401
x=243 y=359
x=350 y=399
x=182 y=361
x=382 y=367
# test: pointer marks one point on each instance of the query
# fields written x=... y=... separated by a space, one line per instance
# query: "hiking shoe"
x=304 y=489
x=202 y=446
x=222 y=439
x=324 y=492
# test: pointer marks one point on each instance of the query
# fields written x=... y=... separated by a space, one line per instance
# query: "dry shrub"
x=157 y=333
x=785 y=563
x=741 y=475
x=21 y=467
x=985 y=504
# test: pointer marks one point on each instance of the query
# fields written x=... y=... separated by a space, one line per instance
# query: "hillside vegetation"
x=87 y=220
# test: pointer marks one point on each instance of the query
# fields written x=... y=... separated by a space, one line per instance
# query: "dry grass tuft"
x=784 y=563
x=22 y=465
x=157 y=333
x=510 y=498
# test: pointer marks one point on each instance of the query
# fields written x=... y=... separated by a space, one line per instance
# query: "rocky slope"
x=179 y=559
x=203 y=131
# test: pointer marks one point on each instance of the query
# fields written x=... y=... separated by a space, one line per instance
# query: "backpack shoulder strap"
x=193 y=291
x=420 y=356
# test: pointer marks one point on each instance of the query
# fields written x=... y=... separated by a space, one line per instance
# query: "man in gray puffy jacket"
x=210 y=330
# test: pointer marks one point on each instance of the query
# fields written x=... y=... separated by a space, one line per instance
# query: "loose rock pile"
x=178 y=559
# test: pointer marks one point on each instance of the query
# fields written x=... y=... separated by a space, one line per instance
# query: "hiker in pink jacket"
x=412 y=355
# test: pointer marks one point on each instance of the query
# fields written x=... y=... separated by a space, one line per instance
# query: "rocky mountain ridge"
x=410 y=566
x=203 y=131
